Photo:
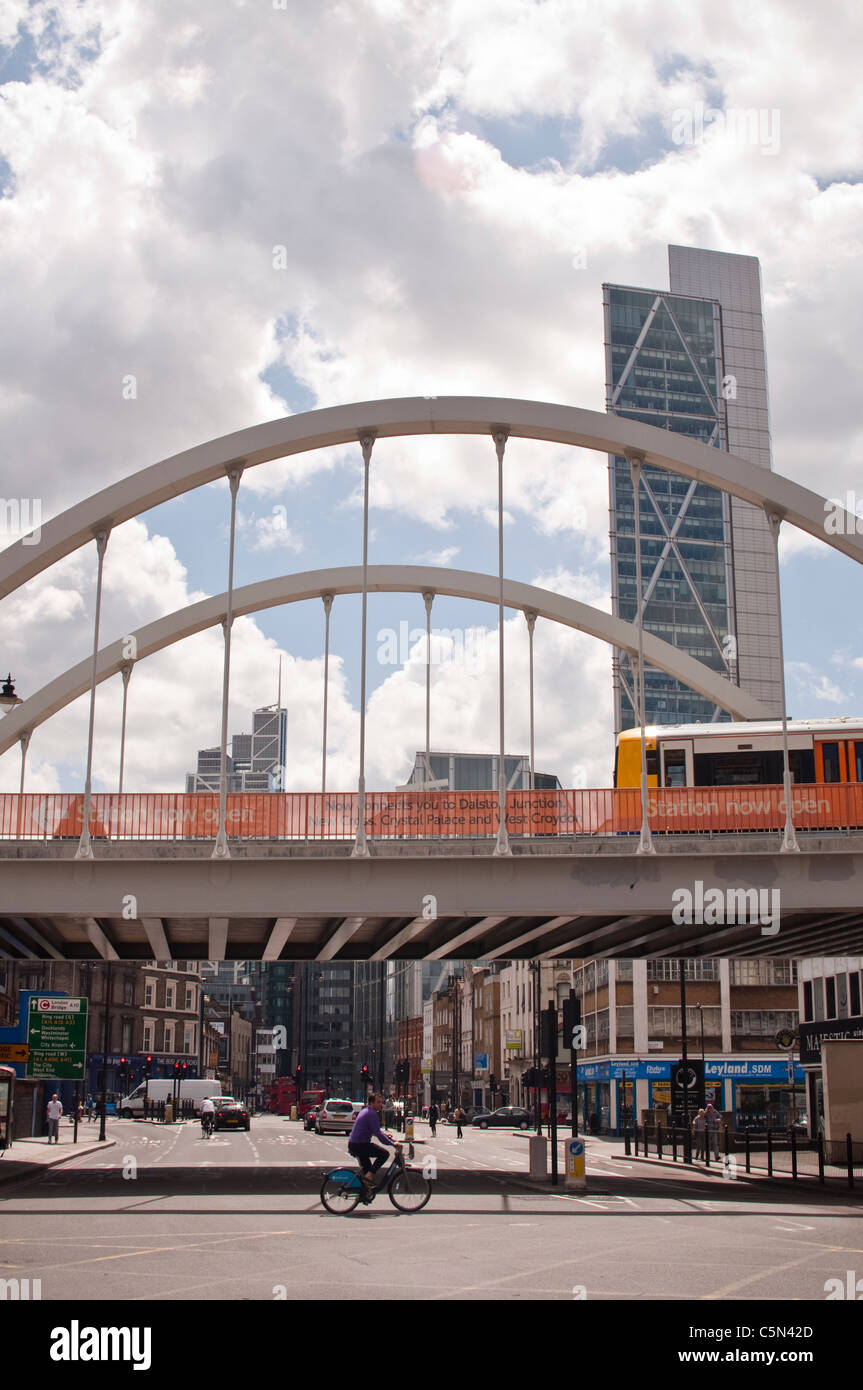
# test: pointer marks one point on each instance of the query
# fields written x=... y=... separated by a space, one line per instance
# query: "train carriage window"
x=858 y=762
x=830 y=754
x=674 y=764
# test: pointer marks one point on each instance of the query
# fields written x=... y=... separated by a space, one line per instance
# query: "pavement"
x=26 y=1157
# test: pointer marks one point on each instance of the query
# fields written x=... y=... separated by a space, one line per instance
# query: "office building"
x=256 y=761
x=691 y=359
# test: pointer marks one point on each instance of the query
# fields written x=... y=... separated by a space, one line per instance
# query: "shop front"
x=759 y=1093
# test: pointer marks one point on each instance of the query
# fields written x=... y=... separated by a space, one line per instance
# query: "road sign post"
x=56 y=1038
x=576 y=1178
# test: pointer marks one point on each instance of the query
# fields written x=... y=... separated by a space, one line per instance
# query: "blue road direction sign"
x=57 y=1038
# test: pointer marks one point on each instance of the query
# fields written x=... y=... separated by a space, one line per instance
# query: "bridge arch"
x=479 y=415
x=294 y=588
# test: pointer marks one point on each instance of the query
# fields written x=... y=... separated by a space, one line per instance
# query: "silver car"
x=335 y=1117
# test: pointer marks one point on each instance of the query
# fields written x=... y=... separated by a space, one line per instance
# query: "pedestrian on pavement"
x=53 y=1111
x=711 y=1125
x=433 y=1119
x=699 y=1129
x=90 y=1107
x=459 y=1120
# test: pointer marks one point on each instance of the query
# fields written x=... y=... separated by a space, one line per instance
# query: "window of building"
x=695 y=970
x=625 y=1021
x=189 y=1037
x=763 y=972
x=830 y=990
x=149 y=1034
x=126 y=1036
x=149 y=994
x=807 y=1001
x=601 y=973
x=624 y=970
x=663 y=1021
x=170 y=994
x=854 y=994
x=168 y=1045
x=602 y=1026
x=818 y=997
x=190 y=997
x=761 y=1023
x=129 y=989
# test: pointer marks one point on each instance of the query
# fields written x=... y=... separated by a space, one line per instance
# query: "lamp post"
x=106 y=1044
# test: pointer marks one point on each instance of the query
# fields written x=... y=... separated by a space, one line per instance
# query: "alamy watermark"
x=713 y=907
x=843 y=518
x=449 y=646
x=754 y=125
x=19 y=514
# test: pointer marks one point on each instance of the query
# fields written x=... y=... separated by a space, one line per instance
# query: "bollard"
x=673 y=1144
x=769 y=1154
x=409 y=1129
x=793 y=1156
x=627 y=1146
x=538 y=1156
x=849 y=1150
x=820 y=1156
x=747 y=1152
x=576 y=1178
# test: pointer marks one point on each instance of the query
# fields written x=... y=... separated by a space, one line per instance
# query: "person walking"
x=459 y=1121
x=90 y=1107
x=53 y=1111
x=711 y=1124
x=699 y=1129
x=433 y=1118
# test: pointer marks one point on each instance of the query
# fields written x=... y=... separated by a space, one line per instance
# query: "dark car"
x=511 y=1116
x=230 y=1114
x=309 y=1118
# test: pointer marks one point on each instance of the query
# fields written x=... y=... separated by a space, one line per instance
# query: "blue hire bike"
x=343 y=1189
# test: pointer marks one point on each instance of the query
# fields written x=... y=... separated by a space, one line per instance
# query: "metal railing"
x=411 y=815
x=780 y=1154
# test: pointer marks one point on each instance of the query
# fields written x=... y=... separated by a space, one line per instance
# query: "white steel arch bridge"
x=492 y=896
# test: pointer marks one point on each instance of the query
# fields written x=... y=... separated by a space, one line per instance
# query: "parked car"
x=511 y=1116
x=230 y=1114
x=335 y=1117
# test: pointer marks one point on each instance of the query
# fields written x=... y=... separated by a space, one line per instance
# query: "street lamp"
x=8 y=698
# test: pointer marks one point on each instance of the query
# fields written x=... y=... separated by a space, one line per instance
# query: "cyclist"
x=367 y=1126
x=208 y=1116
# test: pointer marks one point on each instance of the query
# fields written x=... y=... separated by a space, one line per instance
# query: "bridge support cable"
x=428 y=600
x=85 y=849
x=789 y=838
x=645 y=844
x=361 y=847
x=220 y=849
x=125 y=672
x=327 y=600
x=24 y=741
x=530 y=618
x=502 y=845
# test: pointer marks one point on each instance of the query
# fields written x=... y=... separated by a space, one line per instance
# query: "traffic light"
x=298 y=1079
x=365 y=1076
x=148 y=1068
x=176 y=1070
x=123 y=1070
x=184 y=1071
x=492 y=1083
x=549 y=1032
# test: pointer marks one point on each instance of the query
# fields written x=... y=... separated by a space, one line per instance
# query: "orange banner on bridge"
x=430 y=815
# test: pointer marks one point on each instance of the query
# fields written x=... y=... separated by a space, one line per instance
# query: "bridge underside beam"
x=562 y=904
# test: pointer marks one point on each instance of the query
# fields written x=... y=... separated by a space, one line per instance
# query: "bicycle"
x=208 y=1124
x=343 y=1189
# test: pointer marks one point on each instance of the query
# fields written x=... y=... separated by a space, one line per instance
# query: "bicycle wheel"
x=409 y=1190
x=341 y=1192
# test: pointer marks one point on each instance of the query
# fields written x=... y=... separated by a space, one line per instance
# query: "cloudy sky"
x=254 y=208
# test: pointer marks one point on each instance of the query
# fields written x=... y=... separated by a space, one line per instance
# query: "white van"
x=162 y=1088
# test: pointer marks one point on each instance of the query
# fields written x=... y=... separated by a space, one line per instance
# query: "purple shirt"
x=367 y=1126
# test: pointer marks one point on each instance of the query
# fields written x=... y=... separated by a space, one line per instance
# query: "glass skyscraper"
x=691 y=359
